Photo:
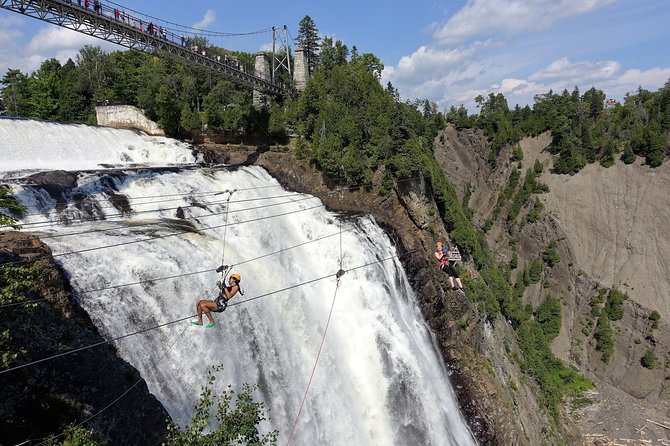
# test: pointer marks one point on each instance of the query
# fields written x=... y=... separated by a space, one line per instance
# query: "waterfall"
x=380 y=379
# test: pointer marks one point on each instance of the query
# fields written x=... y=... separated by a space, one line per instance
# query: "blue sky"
x=445 y=51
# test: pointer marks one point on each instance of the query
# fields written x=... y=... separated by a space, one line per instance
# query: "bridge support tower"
x=300 y=69
x=264 y=71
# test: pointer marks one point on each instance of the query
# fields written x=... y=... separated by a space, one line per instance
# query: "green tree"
x=45 y=90
x=654 y=317
x=237 y=424
x=73 y=106
x=308 y=39
x=9 y=203
x=614 y=304
x=189 y=119
x=604 y=338
x=95 y=73
x=649 y=359
x=550 y=255
x=15 y=93
x=332 y=54
x=76 y=436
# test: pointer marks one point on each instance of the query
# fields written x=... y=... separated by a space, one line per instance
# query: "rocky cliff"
x=94 y=385
x=498 y=412
x=610 y=226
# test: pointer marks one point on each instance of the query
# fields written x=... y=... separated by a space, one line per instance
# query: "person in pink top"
x=446 y=265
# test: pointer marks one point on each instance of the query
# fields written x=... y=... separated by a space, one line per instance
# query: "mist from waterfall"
x=380 y=379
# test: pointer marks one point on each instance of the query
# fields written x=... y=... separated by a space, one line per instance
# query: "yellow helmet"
x=236 y=277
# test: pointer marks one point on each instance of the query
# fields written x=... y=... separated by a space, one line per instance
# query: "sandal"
x=210 y=325
x=196 y=323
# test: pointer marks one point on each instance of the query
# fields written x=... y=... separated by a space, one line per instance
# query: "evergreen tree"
x=308 y=39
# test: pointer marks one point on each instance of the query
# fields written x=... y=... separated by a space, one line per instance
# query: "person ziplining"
x=226 y=293
x=219 y=304
x=447 y=261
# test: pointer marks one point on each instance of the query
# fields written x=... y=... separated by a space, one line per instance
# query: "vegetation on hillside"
x=583 y=129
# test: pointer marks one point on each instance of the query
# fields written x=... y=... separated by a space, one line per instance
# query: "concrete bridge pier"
x=263 y=70
x=300 y=69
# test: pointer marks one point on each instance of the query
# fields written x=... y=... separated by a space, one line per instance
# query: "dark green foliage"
x=8 y=203
x=237 y=419
x=554 y=379
x=649 y=359
x=530 y=186
x=614 y=304
x=517 y=153
x=550 y=255
x=76 y=436
x=332 y=53
x=308 y=39
x=508 y=191
x=628 y=156
x=478 y=291
x=535 y=271
x=514 y=261
x=654 y=317
x=460 y=118
x=16 y=283
x=535 y=212
x=548 y=315
x=604 y=338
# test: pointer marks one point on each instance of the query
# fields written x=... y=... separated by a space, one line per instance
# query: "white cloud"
x=647 y=79
x=208 y=19
x=428 y=63
x=509 y=17
x=54 y=38
x=49 y=41
x=578 y=72
x=10 y=29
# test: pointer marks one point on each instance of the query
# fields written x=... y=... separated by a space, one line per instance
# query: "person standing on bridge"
x=86 y=4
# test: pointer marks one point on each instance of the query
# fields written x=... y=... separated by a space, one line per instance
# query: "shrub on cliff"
x=649 y=359
x=237 y=424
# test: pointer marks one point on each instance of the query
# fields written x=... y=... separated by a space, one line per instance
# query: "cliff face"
x=42 y=399
x=471 y=348
x=611 y=231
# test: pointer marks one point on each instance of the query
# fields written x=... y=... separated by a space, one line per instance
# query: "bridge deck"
x=131 y=33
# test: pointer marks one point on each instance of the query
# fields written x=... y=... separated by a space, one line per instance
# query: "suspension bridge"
x=111 y=22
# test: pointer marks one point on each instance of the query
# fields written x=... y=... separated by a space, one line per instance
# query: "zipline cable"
x=339 y=274
x=316 y=361
x=175 y=276
x=165 y=324
x=47 y=223
x=165 y=236
x=223 y=249
x=129 y=222
x=315 y=194
x=120 y=396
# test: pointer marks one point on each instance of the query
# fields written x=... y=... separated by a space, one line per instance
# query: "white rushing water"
x=380 y=379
